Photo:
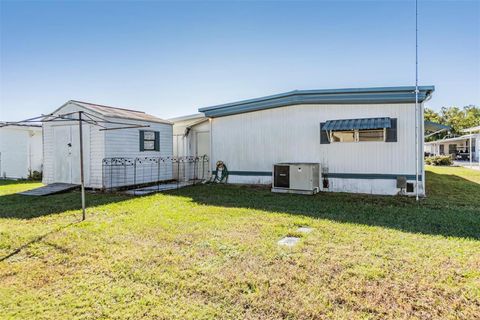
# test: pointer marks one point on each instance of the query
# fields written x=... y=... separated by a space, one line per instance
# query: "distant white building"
x=455 y=146
x=61 y=144
x=363 y=138
x=20 y=150
x=461 y=147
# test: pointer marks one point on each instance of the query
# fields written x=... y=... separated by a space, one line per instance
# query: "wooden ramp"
x=50 y=189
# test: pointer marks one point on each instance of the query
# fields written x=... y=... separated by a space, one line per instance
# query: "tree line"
x=454 y=117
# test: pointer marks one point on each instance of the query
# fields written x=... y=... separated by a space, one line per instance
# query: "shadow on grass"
x=35 y=240
x=27 y=207
x=452 y=209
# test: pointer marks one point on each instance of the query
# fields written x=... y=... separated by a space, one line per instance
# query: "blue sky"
x=170 y=58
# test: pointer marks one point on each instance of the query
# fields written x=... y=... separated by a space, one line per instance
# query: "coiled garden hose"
x=221 y=173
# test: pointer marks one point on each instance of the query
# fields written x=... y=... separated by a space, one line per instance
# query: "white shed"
x=363 y=139
x=61 y=142
x=20 y=150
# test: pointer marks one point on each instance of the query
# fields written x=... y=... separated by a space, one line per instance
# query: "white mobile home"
x=20 y=150
x=363 y=139
x=61 y=142
x=457 y=147
x=191 y=136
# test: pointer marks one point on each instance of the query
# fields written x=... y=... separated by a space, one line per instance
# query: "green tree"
x=459 y=119
x=431 y=115
x=454 y=117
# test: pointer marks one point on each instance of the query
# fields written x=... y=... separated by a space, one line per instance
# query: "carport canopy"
x=431 y=126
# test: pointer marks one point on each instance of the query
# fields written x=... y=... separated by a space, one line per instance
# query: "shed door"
x=203 y=144
x=67 y=154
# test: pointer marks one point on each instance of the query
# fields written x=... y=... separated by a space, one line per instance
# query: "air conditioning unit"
x=303 y=178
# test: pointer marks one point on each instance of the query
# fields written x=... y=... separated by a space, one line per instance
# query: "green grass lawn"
x=211 y=251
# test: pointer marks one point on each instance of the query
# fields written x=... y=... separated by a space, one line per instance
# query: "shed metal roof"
x=358 y=124
x=379 y=95
x=114 y=112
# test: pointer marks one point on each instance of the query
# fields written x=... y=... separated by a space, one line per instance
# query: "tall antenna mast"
x=417 y=153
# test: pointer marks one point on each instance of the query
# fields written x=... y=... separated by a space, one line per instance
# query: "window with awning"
x=359 y=130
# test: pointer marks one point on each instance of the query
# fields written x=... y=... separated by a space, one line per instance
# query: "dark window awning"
x=357 y=124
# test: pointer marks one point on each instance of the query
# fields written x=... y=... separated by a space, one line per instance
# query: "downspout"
x=416 y=103
x=211 y=144
x=422 y=148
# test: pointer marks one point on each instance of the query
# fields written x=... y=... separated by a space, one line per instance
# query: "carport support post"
x=82 y=185
x=470 y=150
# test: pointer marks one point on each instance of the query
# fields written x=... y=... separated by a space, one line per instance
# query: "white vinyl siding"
x=254 y=141
x=20 y=151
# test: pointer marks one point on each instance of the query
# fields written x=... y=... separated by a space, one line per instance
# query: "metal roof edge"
x=157 y=120
x=187 y=117
x=85 y=105
x=326 y=96
x=463 y=137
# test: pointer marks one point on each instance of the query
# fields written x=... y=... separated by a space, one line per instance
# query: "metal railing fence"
x=126 y=173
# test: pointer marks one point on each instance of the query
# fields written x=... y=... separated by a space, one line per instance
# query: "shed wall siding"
x=255 y=141
x=97 y=153
x=93 y=152
x=126 y=143
x=93 y=176
x=48 y=157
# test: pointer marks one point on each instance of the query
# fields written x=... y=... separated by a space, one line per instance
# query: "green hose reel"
x=221 y=173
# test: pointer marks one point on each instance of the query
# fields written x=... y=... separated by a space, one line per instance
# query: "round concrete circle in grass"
x=304 y=229
x=288 y=241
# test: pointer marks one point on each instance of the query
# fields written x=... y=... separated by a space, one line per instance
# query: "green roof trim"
x=380 y=95
x=358 y=124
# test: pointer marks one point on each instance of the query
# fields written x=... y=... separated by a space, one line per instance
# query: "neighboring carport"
x=433 y=128
x=472 y=143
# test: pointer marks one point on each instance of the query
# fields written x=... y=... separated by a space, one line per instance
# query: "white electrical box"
x=301 y=178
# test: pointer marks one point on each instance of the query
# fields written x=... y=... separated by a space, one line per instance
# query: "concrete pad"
x=288 y=241
x=304 y=229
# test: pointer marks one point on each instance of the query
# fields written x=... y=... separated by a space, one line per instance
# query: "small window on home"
x=343 y=136
x=371 y=135
x=359 y=130
x=149 y=141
